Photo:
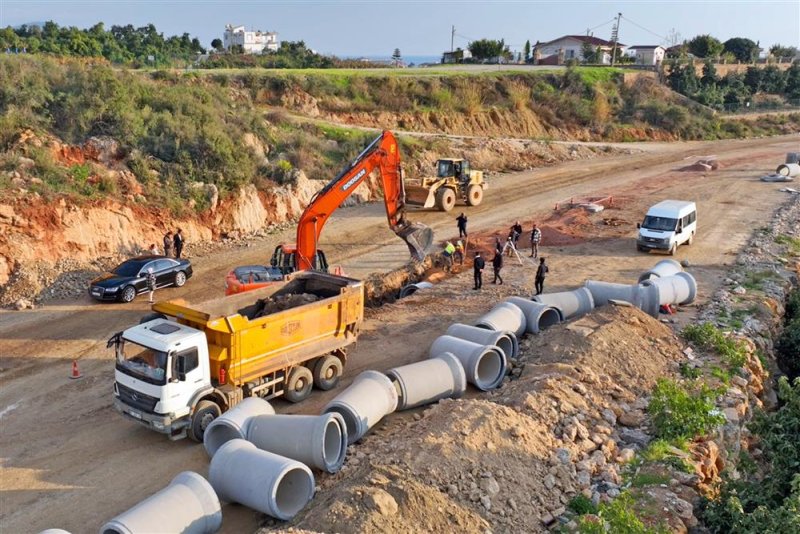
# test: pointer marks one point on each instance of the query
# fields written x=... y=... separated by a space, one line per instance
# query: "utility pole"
x=615 y=38
x=452 y=37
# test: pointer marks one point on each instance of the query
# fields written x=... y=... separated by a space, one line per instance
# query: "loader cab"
x=283 y=258
x=453 y=168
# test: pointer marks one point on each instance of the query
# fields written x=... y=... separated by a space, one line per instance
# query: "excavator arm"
x=383 y=154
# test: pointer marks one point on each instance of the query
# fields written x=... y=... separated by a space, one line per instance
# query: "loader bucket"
x=420 y=196
x=418 y=237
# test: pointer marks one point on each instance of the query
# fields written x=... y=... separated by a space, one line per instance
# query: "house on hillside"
x=651 y=55
x=252 y=42
x=563 y=49
x=456 y=56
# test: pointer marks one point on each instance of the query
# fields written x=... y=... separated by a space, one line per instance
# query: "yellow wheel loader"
x=454 y=181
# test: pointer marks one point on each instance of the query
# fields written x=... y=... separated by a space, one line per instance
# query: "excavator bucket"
x=418 y=237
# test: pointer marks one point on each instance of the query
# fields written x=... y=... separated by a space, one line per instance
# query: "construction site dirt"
x=70 y=461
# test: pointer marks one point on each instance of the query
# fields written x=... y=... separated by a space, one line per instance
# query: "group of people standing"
x=479 y=264
x=172 y=242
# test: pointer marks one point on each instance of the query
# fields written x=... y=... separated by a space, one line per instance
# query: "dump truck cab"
x=454 y=181
x=161 y=369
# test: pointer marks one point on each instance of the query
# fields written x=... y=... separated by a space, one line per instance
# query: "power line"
x=645 y=29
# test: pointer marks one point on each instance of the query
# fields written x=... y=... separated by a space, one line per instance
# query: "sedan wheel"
x=128 y=294
x=180 y=279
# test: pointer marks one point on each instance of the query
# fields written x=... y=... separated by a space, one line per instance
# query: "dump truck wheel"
x=445 y=199
x=474 y=195
x=299 y=384
x=205 y=412
x=327 y=372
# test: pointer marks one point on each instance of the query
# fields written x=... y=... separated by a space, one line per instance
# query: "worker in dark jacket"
x=461 y=220
x=497 y=264
x=541 y=272
x=178 y=242
x=477 y=267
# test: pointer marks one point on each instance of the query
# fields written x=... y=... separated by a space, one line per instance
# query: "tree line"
x=121 y=44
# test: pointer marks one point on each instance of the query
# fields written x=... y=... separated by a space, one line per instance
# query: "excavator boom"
x=383 y=154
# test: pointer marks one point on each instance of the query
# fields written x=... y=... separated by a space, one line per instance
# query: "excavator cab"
x=284 y=258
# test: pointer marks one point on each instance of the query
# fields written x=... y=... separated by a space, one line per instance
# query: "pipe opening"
x=490 y=365
x=548 y=318
x=332 y=442
x=219 y=434
x=293 y=492
x=351 y=422
x=506 y=345
x=112 y=531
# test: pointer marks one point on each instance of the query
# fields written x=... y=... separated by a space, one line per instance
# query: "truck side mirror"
x=638 y=225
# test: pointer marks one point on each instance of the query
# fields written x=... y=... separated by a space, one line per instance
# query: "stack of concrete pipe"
x=484 y=365
x=569 y=304
x=188 y=504
x=233 y=423
x=504 y=339
x=428 y=381
x=366 y=401
x=504 y=316
x=316 y=440
x=788 y=169
x=266 y=482
x=538 y=316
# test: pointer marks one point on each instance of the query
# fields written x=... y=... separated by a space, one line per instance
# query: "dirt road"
x=69 y=461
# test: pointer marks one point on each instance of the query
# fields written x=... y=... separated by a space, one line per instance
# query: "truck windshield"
x=142 y=362
x=445 y=169
x=663 y=224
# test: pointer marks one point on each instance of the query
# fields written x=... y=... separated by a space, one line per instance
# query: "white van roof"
x=671 y=208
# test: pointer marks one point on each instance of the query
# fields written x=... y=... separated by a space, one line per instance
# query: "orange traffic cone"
x=75 y=372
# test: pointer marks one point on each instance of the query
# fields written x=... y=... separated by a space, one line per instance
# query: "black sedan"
x=129 y=278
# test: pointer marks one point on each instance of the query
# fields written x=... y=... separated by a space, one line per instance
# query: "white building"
x=252 y=42
x=563 y=49
x=647 y=54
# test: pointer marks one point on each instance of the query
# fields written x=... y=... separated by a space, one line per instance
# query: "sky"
x=353 y=28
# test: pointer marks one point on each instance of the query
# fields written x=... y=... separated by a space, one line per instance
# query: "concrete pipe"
x=569 y=304
x=410 y=289
x=538 y=316
x=54 y=531
x=678 y=289
x=644 y=296
x=188 y=505
x=233 y=423
x=792 y=157
x=504 y=316
x=507 y=341
x=661 y=269
x=316 y=440
x=370 y=397
x=428 y=381
x=484 y=365
x=266 y=482
x=789 y=169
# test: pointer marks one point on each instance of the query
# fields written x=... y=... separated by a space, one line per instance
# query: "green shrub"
x=581 y=504
x=617 y=517
x=709 y=337
x=787 y=349
x=678 y=413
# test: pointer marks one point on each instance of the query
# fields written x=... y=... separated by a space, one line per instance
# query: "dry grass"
x=519 y=95
x=470 y=98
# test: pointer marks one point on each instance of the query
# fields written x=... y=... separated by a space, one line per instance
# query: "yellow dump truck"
x=183 y=365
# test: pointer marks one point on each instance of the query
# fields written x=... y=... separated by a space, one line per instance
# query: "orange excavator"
x=382 y=154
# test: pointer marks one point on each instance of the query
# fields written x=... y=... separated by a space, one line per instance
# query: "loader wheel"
x=205 y=412
x=445 y=199
x=299 y=384
x=474 y=195
x=327 y=372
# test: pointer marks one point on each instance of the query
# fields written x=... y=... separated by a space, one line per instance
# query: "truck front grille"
x=137 y=399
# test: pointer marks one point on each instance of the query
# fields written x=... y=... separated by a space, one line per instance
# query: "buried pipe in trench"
x=644 y=296
x=266 y=482
x=410 y=289
x=570 y=304
x=484 y=365
x=428 y=381
x=316 y=440
x=504 y=316
x=504 y=339
x=188 y=505
x=233 y=423
x=366 y=401
x=538 y=316
x=661 y=269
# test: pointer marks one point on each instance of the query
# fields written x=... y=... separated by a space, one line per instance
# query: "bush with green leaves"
x=680 y=413
x=766 y=501
x=709 y=337
x=618 y=517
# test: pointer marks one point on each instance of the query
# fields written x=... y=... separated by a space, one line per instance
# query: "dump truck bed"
x=249 y=340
